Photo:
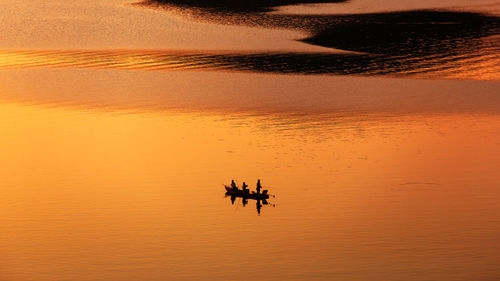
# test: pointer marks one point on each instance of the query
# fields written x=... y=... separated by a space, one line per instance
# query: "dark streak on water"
x=421 y=44
x=242 y=6
x=393 y=42
x=413 y=33
x=430 y=66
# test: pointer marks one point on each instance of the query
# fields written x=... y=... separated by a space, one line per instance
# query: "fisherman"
x=233 y=185
x=259 y=186
x=244 y=188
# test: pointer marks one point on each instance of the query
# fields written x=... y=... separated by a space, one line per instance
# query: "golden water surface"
x=105 y=196
x=120 y=123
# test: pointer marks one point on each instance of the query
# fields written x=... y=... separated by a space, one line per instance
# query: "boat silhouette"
x=236 y=192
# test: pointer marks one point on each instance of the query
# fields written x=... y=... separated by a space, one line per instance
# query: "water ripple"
x=474 y=66
x=421 y=43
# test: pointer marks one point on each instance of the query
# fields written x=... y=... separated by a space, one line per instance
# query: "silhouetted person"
x=259 y=186
x=233 y=185
x=244 y=188
x=233 y=198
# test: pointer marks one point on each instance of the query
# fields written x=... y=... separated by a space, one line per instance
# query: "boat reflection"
x=244 y=201
x=245 y=194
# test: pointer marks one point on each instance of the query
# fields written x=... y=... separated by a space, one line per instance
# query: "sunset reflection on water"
x=122 y=121
x=355 y=198
x=482 y=65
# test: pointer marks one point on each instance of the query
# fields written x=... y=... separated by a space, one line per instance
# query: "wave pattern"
x=484 y=65
x=424 y=43
x=416 y=33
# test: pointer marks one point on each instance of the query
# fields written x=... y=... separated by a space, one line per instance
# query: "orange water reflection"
x=113 y=151
x=139 y=196
x=144 y=91
x=480 y=65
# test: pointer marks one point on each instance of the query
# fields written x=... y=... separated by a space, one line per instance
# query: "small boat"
x=251 y=195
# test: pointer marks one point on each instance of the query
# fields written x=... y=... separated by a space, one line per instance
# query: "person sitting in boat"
x=244 y=187
x=259 y=186
x=233 y=185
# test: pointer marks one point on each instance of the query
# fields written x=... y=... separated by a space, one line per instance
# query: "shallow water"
x=121 y=122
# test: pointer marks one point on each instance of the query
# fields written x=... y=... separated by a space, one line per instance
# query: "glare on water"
x=130 y=196
x=121 y=122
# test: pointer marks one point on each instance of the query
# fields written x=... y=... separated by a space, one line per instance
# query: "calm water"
x=376 y=127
